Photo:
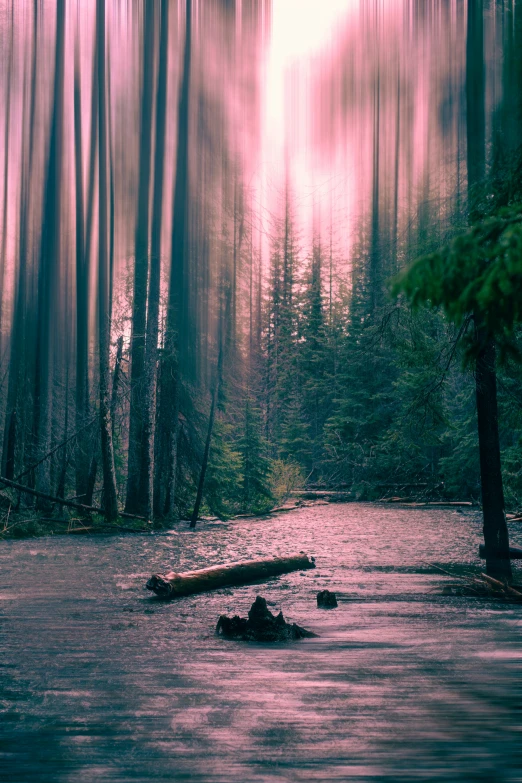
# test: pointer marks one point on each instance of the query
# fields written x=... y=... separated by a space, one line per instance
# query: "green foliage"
x=255 y=465
x=478 y=273
x=285 y=478
x=223 y=480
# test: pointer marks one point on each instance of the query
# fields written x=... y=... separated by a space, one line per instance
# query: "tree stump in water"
x=261 y=626
x=326 y=600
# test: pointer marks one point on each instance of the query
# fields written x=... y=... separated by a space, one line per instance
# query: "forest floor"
x=103 y=683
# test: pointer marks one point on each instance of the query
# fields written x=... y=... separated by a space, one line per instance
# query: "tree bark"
x=49 y=262
x=116 y=382
x=204 y=464
x=104 y=303
x=175 y=330
x=151 y=342
x=135 y=502
x=82 y=299
x=174 y=585
x=495 y=530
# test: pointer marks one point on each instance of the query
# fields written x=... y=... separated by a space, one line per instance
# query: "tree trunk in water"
x=134 y=499
x=496 y=536
x=104 y=304
x=174 y=585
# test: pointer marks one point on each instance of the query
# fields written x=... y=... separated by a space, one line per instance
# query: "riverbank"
x=27 y=523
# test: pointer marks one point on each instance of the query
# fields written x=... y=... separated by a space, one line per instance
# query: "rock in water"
x=326 y=600
x=261 y=626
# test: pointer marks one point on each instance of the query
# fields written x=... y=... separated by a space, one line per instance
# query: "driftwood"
x=333 y=496
x=514 y=552
x=427 y=503
x=62 y=501
x=261 y=626
x=501 y=586
x=174 y=585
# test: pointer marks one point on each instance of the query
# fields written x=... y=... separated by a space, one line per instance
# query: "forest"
x=260 y=391
x=182 y=331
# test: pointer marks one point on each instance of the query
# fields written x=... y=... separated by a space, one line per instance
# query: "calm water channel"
x=101 y=682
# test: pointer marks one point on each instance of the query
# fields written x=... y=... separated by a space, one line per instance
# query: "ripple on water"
x=400 y=684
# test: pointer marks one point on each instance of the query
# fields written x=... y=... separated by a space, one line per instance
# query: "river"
x=102 y=682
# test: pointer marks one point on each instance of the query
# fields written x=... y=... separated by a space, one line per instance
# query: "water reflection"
x=402 y=682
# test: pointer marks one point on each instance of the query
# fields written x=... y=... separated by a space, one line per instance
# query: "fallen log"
x=175 y=585
x=514 y=552
x=501 y=586
x=62 y=501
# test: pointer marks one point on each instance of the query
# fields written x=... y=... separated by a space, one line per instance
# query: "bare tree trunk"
x=151 y=344
x=134 y=500
x=6 y=170
x=374 y=281
x=496 y=536
x=176 y=307
x=60 y=490
x=49 y=261
x=116 y=382
x=16 y=401
x=82 y=300
x=104 y=303
x=206 y=453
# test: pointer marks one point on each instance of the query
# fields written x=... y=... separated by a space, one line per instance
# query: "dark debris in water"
x=261 y=626
x=326 y=600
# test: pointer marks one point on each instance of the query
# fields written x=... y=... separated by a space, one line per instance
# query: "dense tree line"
x=235 y=357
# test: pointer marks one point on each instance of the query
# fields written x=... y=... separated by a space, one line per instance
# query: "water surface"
x=101 y=682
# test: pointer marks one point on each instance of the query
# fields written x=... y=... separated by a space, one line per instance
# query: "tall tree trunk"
x=16 y=401
x=475 y=95
x=375 y=244
x=151 y=344
x=496 y=536
x=82 y=300
x=116 y=383
x=49 y=263
x=176 y=306
x=60 y=490
x=495 y=530
x=104 y=303
x=135 y=503
x=7 y=122
x=206 y=453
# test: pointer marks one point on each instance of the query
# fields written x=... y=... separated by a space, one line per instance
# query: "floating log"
x=514 y=552
x=261 y=626
x=175 y=585
x=501 y=586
